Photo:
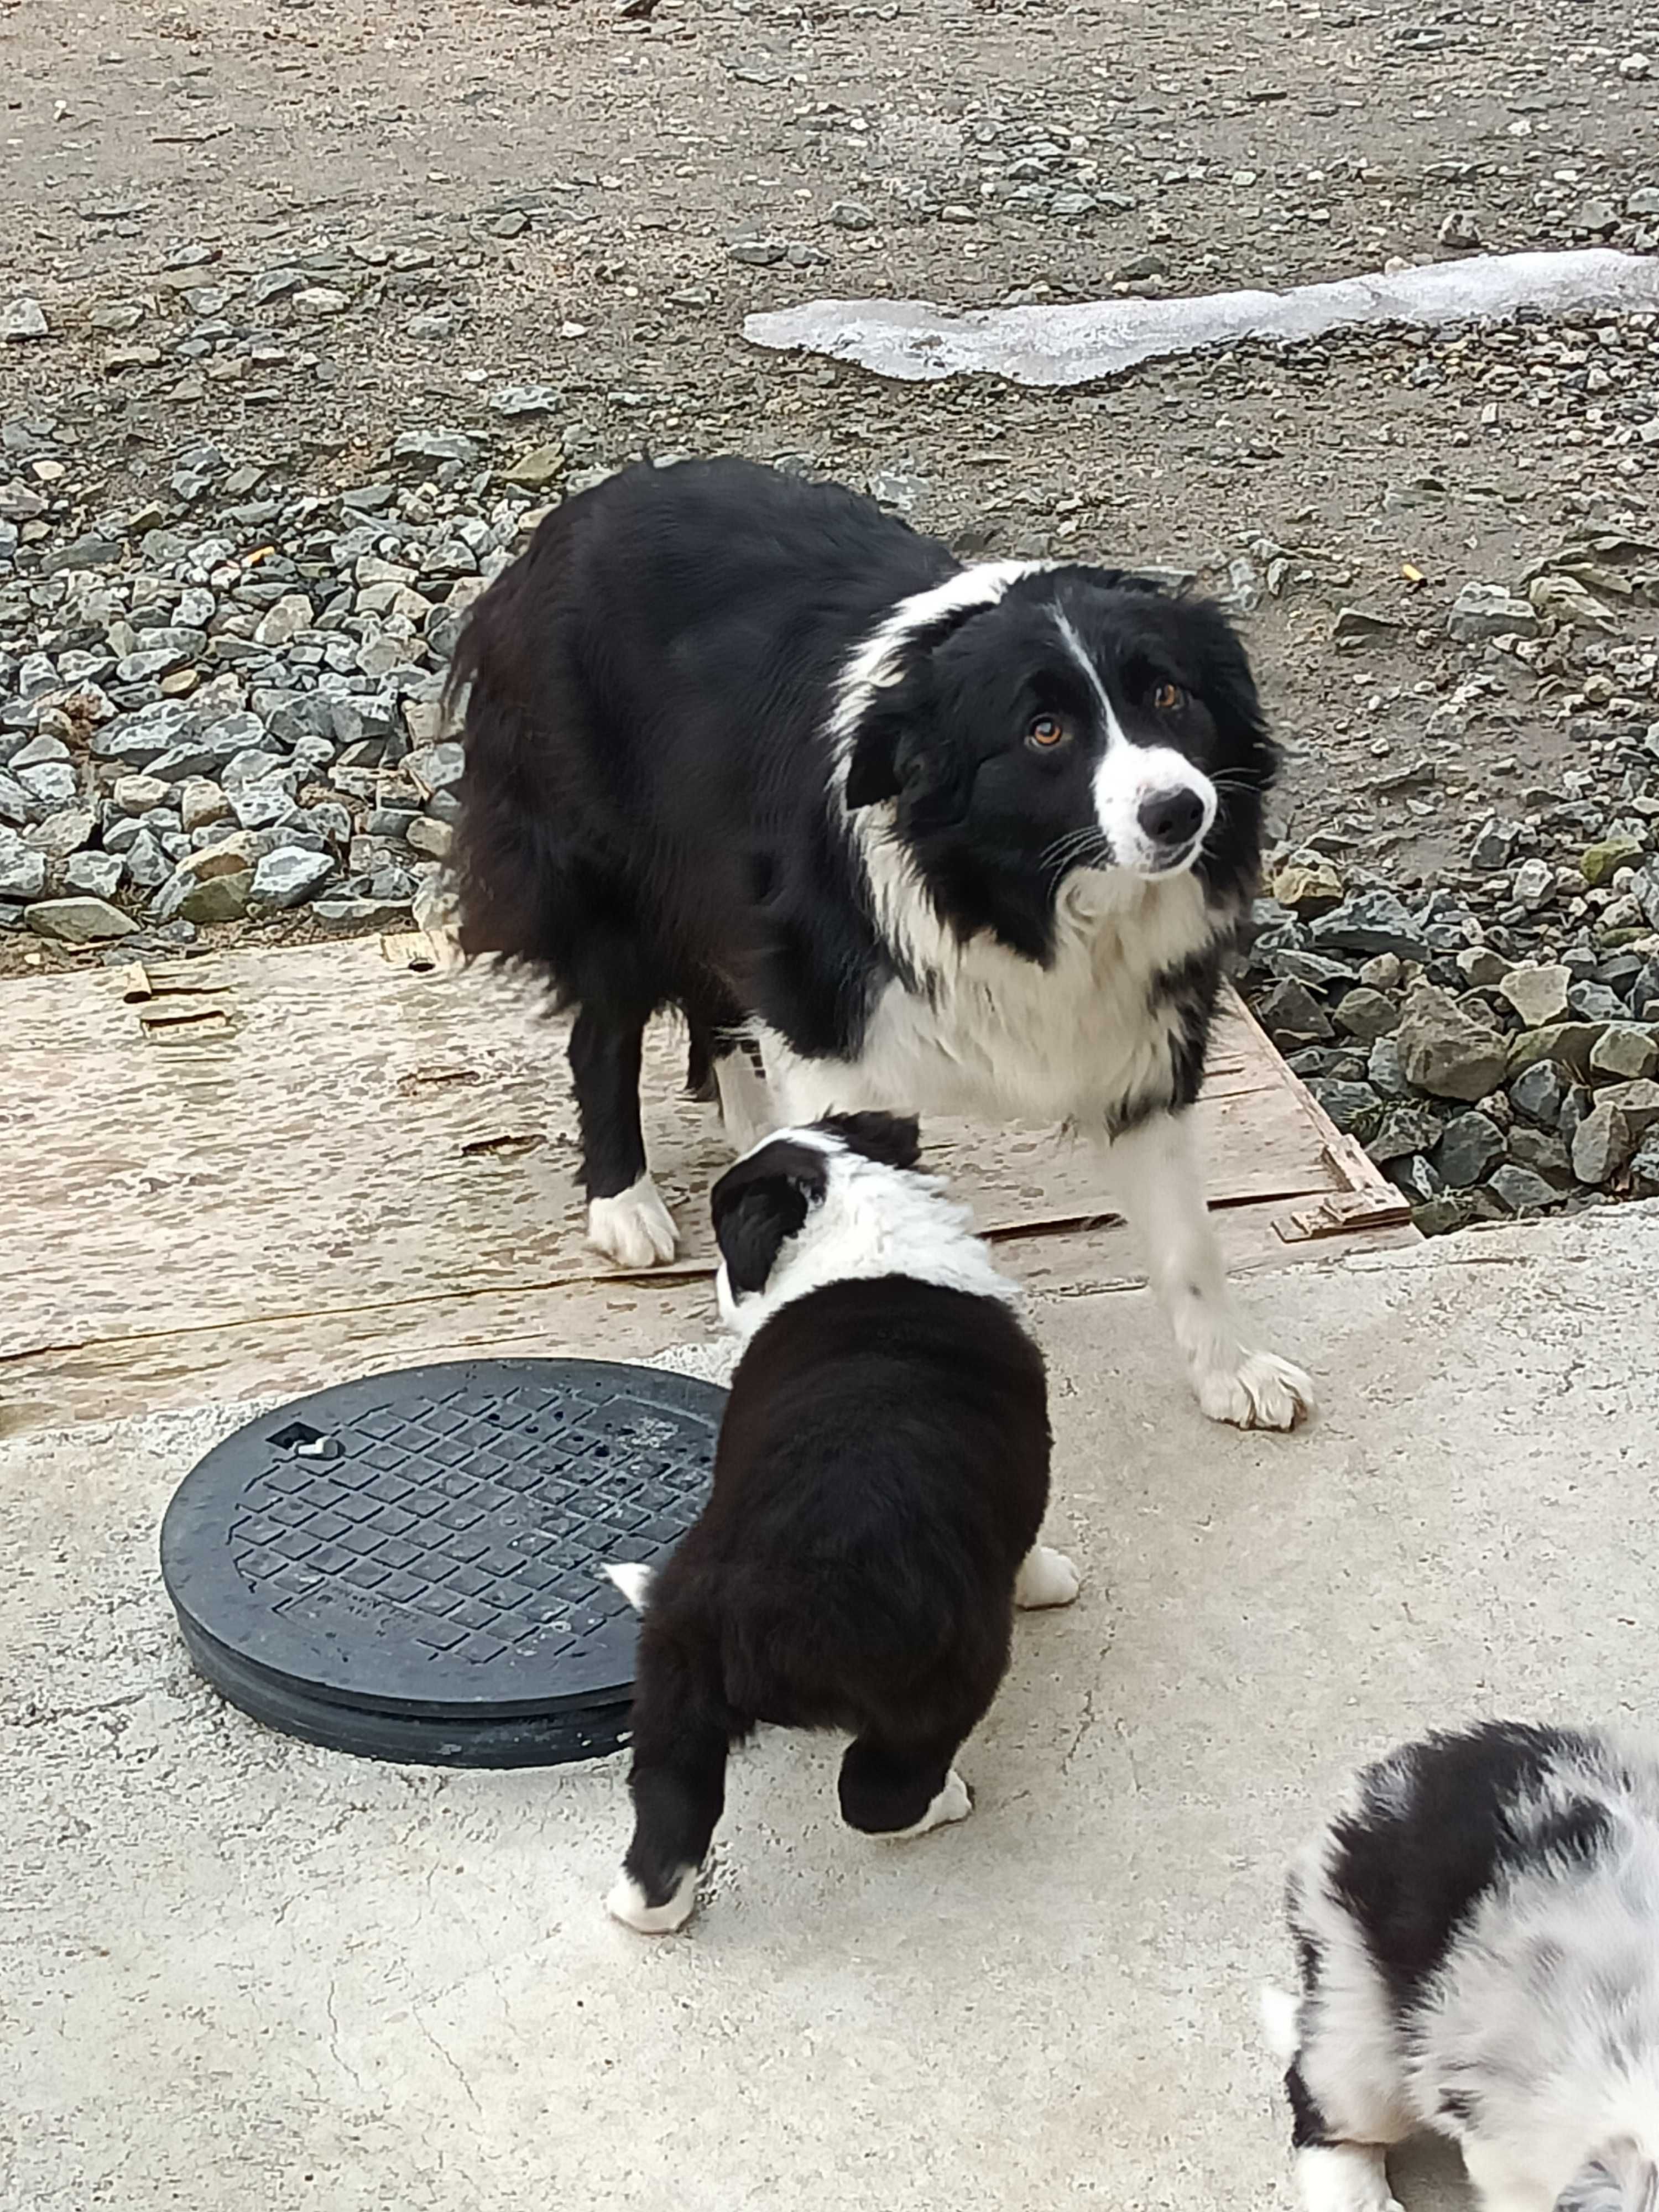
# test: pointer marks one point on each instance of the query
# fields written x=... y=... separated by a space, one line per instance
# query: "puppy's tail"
x=1278 y=2023
x=633 y=1578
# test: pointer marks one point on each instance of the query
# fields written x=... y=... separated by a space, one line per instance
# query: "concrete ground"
x=240 y=1969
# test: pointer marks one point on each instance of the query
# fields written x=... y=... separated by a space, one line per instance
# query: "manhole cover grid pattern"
x=476 y=1520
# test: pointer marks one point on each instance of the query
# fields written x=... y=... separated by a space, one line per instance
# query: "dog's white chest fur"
x=989 y=1033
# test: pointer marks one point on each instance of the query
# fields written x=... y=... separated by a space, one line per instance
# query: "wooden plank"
x=342 y=1145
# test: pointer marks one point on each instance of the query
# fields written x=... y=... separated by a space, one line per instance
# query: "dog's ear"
x=894 y=1140
x=873 y=771
x=760 y=1204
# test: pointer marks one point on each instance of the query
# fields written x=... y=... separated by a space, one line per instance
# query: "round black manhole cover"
x=409 y=1567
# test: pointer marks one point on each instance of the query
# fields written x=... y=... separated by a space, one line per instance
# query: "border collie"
x=959 y=840
x=1478 y=1928
x=882 y=1475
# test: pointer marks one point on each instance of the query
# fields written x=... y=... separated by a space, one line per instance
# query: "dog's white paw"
x=634 y=1228
x=632 y=1577
x=627 y=1903
x=1343 y=2177
x=952 y=1803
x=1045 y=1577
x=1259 y=1391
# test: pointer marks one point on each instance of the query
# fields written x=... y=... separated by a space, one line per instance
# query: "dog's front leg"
x=1159 y=1182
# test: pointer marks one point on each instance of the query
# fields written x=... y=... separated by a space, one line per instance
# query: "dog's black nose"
x=1171 y=819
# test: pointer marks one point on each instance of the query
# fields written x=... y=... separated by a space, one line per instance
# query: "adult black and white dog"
x=1478 y=1933
x=960 y=840
x=881 y=1477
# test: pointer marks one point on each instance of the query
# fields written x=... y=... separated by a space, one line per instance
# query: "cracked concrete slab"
x=236 y=1966
x=916 y=342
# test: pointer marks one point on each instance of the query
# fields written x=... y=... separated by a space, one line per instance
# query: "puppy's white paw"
x=1045 y=1577
x=952 y=1803
x=632 y=1577
x=627 y=1903
x=634 y=1228
x=1258 y=1391
x=1343 y=2177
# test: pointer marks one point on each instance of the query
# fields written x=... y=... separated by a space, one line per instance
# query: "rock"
x=1404 y=1127
x=1495 y=843
x=1443 y=1050
x=98 y=874
x=1292 y=1016
x=1460 y=231
x=1543 y=1151
x=1569 y=1043
x=1470 y=1146
x=1363 y=626
x=1487 y=610
x=435 y=768
x=1354 y=1107
x=432 y=838
x=534 y=471
x=22 y=869
x=64 y=833
x=201 y=804
x=1371 y=921
x=430 y=450
x=220 y=898
x=1367 y=1015
x=1593 y=1002
x=1535 y=885
x=1623 y=1053
x=1538 y=995
x=1383 y=1069
x=22 y=320
x=852 y=215
x=1565 y=600
x=1602 y=1145
x=1519 y=1190
x=1308 y=884
x=1381 y=973
x=1644 y=1168
x=288 y=875
x=1600 y=863
x=1538 y=1093
x=78 y=920
x=141 y=794
x=281 y=623
x=230 y=856
x=516 y=401
x=1638 y=1102
x=1437 y=1217
x=758 y=252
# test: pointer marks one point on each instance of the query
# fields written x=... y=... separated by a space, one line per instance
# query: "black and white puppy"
x=962 y=840
x=881 y=1477
x=1478 y=1931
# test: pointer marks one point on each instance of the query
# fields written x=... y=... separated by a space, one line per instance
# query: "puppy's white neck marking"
x=871 y=1221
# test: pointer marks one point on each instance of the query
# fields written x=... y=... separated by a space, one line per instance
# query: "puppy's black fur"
x=882 y=1471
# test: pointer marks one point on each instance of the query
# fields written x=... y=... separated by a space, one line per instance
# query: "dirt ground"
x=552 y=194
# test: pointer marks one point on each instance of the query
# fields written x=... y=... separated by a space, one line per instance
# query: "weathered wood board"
x=268 y=1170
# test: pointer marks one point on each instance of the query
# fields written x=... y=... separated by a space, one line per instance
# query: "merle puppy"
x=882 y=1474
x=1478 y=1931
x=962 y=840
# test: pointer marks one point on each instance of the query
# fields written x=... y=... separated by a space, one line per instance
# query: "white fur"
x=633 y=1578
x=634 y=1228
x=1128 y=776
x=1545 y=2013
x=1344 y=2178
x=879 y=661
x=872 y=1221
x=627 y=1903
x=952 y=1803
x=1045 y=1577
x=993 y=1035
x=746 y=1108
x=1157 y=1175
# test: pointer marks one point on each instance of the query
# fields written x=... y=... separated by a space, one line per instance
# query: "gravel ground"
x=308 y=309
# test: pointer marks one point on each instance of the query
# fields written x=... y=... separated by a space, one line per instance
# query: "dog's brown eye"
x=1167 y=697
x=1046 y=731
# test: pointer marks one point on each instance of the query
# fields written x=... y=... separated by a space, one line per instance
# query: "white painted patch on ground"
x=917 y=343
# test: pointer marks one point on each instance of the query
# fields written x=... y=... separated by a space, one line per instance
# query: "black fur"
x=646 y=811
x=883 y=1469
x=1432 y=1838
